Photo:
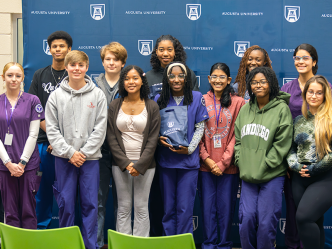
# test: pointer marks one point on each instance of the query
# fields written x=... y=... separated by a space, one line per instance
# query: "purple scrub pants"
x=68 y=178
x=259 y=213
x=18 y=197
x=178 y=190
x=218 y=199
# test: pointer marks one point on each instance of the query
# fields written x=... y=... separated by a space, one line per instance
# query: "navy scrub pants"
x=68 y=177
x=259 y=213
x=178 y=190
x=44 y=197
x=218 y=196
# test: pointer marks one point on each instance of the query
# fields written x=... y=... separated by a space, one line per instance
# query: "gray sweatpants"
x=131 y=189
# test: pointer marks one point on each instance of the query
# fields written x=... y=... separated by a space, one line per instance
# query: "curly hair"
x=144 y=91
x=60 y=35
x=243 y=71
x=180 y=54
x=166 y=91
x=225 y=99
x=270 y=77
x=313 y=53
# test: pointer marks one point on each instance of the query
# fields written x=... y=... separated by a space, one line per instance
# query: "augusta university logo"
x=195 y=223
x=193 y=11
x=97 y=11
x=292 y=13
x=286 y=80
x=198 y=78
x=240 y=47
x=282 y=225
x=170 y=124
x=145 y=47
x=46 y=47
x=93 y=76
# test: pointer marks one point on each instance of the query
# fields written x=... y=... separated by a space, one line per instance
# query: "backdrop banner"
x=210 y=31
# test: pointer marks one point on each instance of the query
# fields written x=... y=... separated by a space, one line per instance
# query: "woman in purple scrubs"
x=306 y=63
x=20 y=116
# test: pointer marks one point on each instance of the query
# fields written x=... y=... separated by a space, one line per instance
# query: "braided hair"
x=144 y=91
x=180 y=54
x=243 y=71
x=167 y=91
x=270 y=77
x=225 y=99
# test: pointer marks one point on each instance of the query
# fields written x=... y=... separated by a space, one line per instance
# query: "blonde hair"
x=323 y=118
x=9 y=65
x=76 y=56
x=117 y=49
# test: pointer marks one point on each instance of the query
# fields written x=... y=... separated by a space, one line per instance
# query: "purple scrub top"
x=295 y=101
x=28 y=108
x=196 y=113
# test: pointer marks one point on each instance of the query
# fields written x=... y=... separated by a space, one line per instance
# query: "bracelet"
x=7 y=161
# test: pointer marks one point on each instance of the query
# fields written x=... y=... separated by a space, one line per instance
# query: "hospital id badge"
x=217 y=141
x=8 y=139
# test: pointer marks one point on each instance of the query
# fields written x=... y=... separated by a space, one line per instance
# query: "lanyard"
x=215 y=109
x=11 y=115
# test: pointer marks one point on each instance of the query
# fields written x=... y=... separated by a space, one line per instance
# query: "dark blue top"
x=196 y=113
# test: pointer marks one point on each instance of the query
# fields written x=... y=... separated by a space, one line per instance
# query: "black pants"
x=313 y=198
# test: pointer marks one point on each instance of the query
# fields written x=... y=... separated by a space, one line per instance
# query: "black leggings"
x=312 y=198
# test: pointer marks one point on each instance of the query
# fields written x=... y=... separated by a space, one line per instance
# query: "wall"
x=7 y=10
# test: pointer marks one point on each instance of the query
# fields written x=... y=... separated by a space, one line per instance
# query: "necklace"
x=60 y=79
x=13 y=102
x=136 y=103
x=301 y=86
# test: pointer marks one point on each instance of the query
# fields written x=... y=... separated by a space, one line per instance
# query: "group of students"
x=240 y=132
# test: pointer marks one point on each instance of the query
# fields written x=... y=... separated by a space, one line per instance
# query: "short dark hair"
x=313 y=53
x=180 y=54
x=225 y=99
x=270 y=77
x=60 y=35
x=144 y=91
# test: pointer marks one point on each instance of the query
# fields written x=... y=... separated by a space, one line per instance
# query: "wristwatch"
x=23 y=162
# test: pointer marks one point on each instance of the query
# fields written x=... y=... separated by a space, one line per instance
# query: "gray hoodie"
x=76 y=120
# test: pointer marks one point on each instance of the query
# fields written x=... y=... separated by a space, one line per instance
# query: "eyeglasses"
x=312 y=93
x=215 y=77
x=180 y=76
x=262 y=82
x=304 y=58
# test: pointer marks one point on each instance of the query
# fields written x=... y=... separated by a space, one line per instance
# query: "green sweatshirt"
x=263 y=139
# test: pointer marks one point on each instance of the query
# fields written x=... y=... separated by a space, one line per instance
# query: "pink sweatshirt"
x=224 y=156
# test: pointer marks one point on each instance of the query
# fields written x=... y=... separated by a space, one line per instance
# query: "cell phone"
x=39 y=173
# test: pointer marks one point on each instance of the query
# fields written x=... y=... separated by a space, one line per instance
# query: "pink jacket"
x=224 y=156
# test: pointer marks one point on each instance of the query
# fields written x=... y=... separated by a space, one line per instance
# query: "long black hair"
x=144 y=91
x=166 y=91
x=270 y=77
x=225 y=99
x=180 y=54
